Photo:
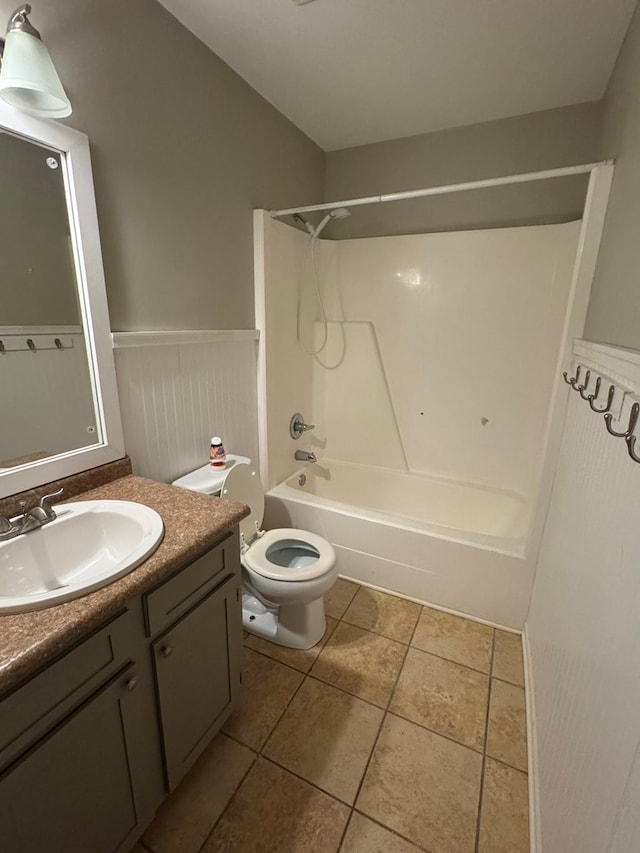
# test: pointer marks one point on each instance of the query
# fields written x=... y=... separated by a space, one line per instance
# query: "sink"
x=89 y=545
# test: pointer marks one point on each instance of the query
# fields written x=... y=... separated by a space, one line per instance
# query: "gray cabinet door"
x=73 y=792
x=197 y=673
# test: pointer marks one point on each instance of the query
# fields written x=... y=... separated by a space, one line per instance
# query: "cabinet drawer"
x=184 y=589
x=33 y=709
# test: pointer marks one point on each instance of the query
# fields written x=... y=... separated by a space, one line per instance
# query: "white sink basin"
x=90 y=544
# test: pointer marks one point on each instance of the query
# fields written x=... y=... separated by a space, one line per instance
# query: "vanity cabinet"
x=90 y=746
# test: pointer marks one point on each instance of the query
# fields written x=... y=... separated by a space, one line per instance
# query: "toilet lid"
x=316 y=556
x=242 y=484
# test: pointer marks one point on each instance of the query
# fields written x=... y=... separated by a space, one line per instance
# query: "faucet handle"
x=47 y=500
x=297 y=425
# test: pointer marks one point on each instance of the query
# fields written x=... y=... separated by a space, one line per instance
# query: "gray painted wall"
x=526 y=143
x=614 y=309
x=182 y=151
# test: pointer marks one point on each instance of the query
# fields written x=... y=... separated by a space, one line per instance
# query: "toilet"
x=285 y=572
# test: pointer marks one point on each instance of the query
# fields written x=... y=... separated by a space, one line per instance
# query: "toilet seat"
x=258 y=556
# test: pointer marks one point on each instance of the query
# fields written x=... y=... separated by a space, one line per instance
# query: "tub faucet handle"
x=297 y=425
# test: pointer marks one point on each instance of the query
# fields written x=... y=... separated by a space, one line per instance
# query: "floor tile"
x=361 y=663
x=185 y=819
x=326 y=736
x=365 y=836
x=507 y=734
x=508 y=664
x=273 y=812
x=384 y=614
x=268 y=687
x=504 y=822
x=452 y=637
x=423 y=786
x=301 y=659
x=339 y=597
x=443 y=696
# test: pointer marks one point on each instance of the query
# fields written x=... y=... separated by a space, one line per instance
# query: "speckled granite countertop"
x=192 y=523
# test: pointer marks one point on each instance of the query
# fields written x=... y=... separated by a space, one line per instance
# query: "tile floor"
x=402 y=731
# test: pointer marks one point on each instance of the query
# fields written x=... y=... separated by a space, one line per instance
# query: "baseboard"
x=535 y=838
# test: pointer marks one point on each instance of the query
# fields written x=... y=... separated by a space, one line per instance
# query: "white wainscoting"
x=583 y=628
x=177 y=389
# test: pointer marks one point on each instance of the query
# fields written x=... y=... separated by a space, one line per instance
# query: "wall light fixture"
x=28 y=78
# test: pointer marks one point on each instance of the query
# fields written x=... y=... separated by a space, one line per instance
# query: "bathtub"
x=455 y=545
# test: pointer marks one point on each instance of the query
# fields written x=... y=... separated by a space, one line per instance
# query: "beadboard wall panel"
x=584 y=627
x=175 y=396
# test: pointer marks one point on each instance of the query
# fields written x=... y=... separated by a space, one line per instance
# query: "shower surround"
x=431 y=402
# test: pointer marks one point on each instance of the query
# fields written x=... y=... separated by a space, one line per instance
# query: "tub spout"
x=304 y=456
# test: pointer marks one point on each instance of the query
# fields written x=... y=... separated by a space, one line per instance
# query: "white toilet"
x=285 y=572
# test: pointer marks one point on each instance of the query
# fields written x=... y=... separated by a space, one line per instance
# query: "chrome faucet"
x=304 y=456
x=30 y=520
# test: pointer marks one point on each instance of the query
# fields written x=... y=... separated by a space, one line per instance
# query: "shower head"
x=338 y=213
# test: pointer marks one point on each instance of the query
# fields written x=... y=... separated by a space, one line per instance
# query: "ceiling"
x=352 y=72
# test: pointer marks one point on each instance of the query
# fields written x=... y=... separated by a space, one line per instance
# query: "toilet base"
x=297 y=626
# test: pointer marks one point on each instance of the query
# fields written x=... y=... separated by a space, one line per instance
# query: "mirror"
x=57 y=378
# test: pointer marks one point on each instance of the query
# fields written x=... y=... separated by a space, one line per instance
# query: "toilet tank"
x=209 y=479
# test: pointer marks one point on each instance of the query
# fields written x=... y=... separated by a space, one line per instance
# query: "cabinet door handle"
x=132 y=683
x=167 y=651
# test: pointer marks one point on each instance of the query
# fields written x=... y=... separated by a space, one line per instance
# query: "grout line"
x=235 y=791
x=344 y=832
x=384 y=716
x=456 y=662
x=484 y=751
x=391 y=830
x=511 y=683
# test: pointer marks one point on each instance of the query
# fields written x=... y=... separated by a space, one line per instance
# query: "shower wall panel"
x=464 y=329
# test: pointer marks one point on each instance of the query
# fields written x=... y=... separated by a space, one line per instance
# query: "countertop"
x=192 y=523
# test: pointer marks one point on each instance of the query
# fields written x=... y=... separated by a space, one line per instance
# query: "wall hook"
x=631 y=447
x=583 y=387
x=633 y=419
x=31 y=344
x=58 y=343
x=574 y=379
x=592 y=397
x=3 y=349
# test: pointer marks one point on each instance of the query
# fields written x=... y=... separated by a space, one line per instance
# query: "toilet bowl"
x=285 y=572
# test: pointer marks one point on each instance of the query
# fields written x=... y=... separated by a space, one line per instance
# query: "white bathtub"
x=455 y=545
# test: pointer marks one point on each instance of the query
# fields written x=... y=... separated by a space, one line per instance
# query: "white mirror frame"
x=93 y=300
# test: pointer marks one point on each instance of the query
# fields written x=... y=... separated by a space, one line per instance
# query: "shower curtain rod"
x=448 y=188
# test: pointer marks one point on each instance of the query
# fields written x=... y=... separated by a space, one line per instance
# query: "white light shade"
x=28 y=78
